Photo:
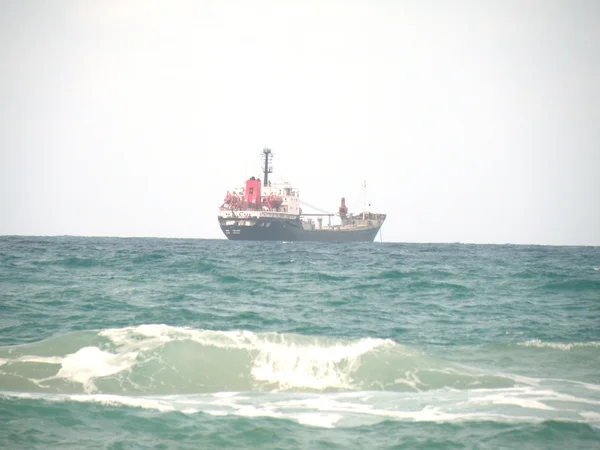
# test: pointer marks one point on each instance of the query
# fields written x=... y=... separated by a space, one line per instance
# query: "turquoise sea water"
x=166 y=343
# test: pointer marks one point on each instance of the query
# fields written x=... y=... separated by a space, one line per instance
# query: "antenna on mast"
x=267 y=156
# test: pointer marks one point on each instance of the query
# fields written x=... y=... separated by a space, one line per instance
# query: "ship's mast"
x=267 y=156
x=364 y=194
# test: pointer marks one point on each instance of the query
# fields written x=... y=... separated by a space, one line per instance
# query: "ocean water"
x=189 y=344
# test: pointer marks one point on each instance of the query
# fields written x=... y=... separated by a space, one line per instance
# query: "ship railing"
x=238 y=214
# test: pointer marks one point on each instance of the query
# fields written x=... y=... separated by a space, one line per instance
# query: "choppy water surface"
x=137 y=343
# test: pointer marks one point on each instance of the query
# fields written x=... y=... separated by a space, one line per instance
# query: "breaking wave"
x=160 y=359
x=313 y=380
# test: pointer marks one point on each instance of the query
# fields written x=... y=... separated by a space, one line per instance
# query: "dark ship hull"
x=292 y=230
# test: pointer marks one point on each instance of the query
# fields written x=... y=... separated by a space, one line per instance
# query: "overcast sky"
x=471 y=121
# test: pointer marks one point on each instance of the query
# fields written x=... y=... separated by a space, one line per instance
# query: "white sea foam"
x=590 y=386
x=154 y=335
x=592 y=416
x=530 y=398
x=224 y=394
x=312 y=366
x=549 y=395
x=411 y=380
x=505 y=398
x=237 y=339
x=91 y=362
x=33 y=359
x=339 y=410
x=163 y=359
x=216 y=412
x=558 y=345
x=157 y=404
x=318 y=419
x=41 y=359
x=529 y=381
x=284 y=361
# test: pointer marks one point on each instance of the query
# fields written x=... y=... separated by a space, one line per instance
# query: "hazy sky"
x=471 y=121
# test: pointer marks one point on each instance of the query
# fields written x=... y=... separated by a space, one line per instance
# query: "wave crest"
x=161 y=359
x=565 y=346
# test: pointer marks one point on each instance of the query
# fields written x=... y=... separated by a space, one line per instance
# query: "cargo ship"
x=261 y=211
